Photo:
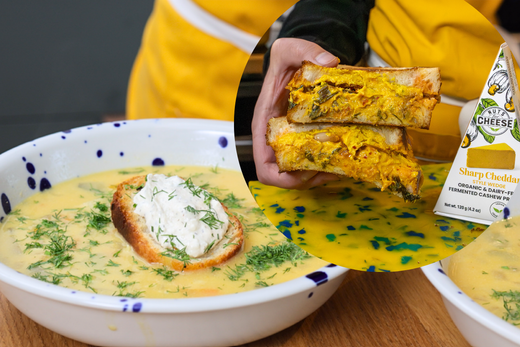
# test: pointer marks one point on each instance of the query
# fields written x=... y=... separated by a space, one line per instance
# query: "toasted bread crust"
x=428 y=79
x=133 y=228
x=412 y=111
x=387 y=163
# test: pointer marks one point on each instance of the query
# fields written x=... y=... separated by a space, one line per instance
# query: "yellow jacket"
x=183 y=71
x=449 y=34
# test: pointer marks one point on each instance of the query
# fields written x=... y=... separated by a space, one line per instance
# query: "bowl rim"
x=451 y=292
x=160 y=305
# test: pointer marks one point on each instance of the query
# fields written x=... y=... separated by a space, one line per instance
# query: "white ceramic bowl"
x=116 y=321
x=479 y=326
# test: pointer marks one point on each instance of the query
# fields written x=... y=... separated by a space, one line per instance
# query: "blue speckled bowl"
x=115 y=321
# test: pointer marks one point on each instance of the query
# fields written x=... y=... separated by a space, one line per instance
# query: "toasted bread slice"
x=380 y=155
x=403 y=97
x=134 y=229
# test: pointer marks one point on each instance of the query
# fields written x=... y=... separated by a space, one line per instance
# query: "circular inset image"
x=353 y=146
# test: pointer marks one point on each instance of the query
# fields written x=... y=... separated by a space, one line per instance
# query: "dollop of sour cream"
x=181 y=215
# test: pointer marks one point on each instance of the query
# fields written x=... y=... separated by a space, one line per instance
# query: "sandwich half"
x=380 y=155
x=403 y=97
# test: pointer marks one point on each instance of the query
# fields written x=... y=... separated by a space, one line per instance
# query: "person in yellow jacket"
x=450 y=34
x=192 y=56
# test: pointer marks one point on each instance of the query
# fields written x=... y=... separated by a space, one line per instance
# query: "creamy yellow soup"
x=488 y=269
x=64 y=235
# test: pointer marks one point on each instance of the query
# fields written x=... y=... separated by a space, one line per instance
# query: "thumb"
x=325 y=59
x=290 y=52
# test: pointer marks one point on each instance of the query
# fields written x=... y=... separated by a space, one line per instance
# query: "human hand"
x=287 y=55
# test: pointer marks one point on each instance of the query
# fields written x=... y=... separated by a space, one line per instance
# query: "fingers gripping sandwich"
x=351 y=121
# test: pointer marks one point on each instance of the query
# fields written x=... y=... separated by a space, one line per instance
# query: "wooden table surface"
x=369 y=309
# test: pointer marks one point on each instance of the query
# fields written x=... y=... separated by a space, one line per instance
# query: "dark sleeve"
x=338 y=26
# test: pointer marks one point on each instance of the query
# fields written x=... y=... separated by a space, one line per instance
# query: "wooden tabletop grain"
x=369 y=309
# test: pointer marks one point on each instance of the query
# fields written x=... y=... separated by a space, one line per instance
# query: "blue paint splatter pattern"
x=354 y=225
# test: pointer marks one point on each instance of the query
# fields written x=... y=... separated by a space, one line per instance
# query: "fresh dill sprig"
x=210 y=218
x=167 y=274
x=178 y=254
x=232 y=202
x=263 y=258
x=511 y=300
x=111 y=263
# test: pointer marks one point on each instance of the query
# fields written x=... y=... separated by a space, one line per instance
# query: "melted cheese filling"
x=363 y=154
x=74 y=214
x=350 y=92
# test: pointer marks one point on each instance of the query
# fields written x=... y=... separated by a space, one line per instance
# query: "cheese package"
x=484 y=174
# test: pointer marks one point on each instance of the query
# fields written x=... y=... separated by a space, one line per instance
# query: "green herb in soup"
x=65 y=236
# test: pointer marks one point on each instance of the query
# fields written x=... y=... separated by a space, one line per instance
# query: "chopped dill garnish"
x=58 y=247
x=178 y=254
x=199 y=192
x=168 y=275
x=210 y=218
x=32 y=246
x=133 y=172
x=257 y=210
x=127 y=272
x=101 y=207
x=263 y=258
x=257 y=225
x=232 y=202
x=54 y=279
x=111 y=263
x=98 y=221
x=122 y=286
x=206 y=250
x=22 y=219
x=511 y=301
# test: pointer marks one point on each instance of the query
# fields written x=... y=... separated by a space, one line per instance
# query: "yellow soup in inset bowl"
x=488 y=270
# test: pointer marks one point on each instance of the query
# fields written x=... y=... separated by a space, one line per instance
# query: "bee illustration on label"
x=498 y=83
x=509 y=106
x=471 y=134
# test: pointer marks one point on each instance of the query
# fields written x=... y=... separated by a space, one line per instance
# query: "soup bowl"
x=479 y=326
x=118 y=321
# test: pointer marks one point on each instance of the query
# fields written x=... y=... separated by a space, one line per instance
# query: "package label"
x=485 y=171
